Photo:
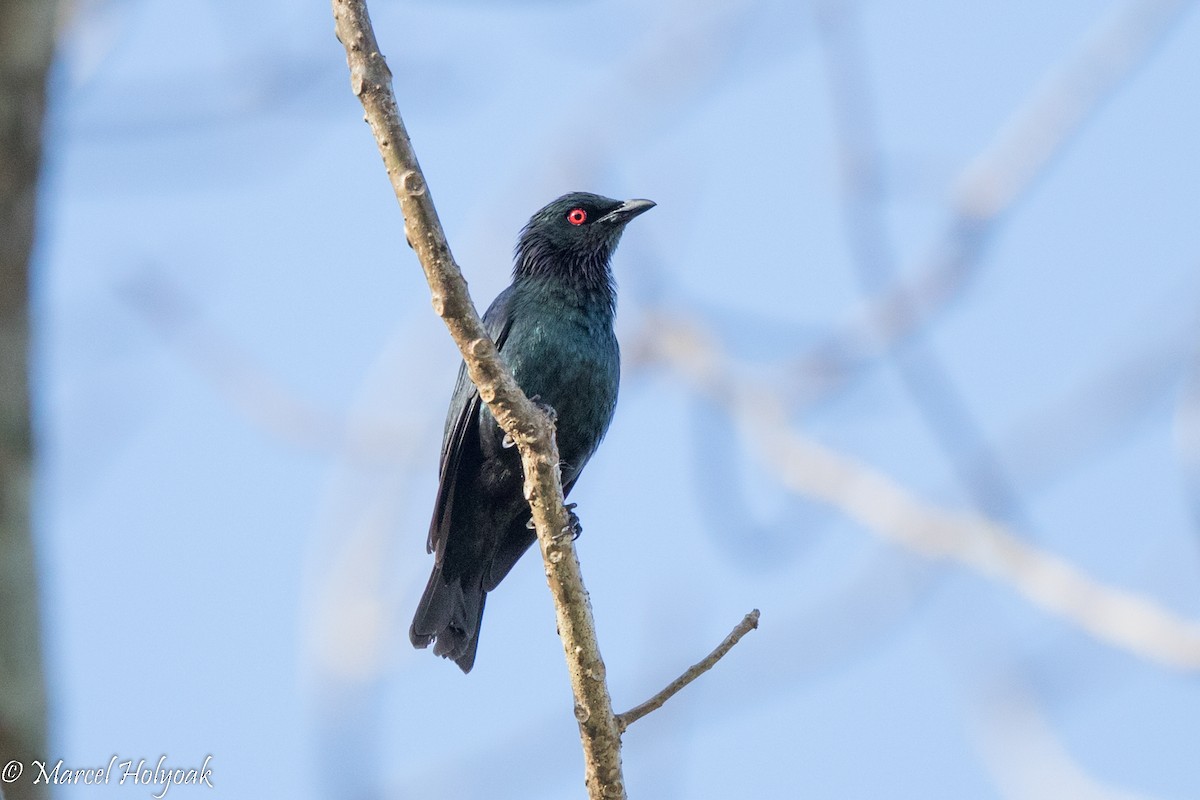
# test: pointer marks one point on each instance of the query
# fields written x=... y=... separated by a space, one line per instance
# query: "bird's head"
x=574 y=237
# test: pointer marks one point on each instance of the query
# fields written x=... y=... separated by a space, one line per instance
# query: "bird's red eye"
x=577 y=216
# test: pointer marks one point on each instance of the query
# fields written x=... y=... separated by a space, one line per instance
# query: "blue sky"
x=241 y=388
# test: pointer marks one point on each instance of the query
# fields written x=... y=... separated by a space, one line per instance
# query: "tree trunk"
x=26 y=44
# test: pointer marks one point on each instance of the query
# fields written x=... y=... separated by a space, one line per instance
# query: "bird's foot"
x=574 y=526
x=545 y=408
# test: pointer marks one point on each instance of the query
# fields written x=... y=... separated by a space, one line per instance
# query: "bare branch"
x=529 y=427
x=749 y=623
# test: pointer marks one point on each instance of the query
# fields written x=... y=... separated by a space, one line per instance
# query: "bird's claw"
x=545 y=408
x=573 y=526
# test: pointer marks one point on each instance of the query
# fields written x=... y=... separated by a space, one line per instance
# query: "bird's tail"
x=449 y=615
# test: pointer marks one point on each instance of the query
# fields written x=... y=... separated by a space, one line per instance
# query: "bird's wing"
x=460 y=443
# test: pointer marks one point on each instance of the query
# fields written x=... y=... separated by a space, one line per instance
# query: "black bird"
x=554 y=329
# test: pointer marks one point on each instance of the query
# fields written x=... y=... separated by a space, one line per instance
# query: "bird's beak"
x=627 y=211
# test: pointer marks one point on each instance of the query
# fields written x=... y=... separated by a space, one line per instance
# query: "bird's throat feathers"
x=586 y=275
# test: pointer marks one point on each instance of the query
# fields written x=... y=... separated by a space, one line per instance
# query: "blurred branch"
x=1000 y=177
x=529 y=427
x=929 y=385
x=681 y=54
x=1102 y=409
x=250 y=386
x=1061 y=103
x=1027 y=759
x=749 y=623
x=873 y=601
x=1187 y=434
x=723 y=474
x=1117 y=617
x=27 y=29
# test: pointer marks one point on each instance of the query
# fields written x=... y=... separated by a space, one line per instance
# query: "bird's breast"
x=572 y=363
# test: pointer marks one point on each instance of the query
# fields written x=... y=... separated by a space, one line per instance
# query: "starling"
x=554 y=328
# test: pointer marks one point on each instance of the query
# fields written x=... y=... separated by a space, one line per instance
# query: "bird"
x=553 y=327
